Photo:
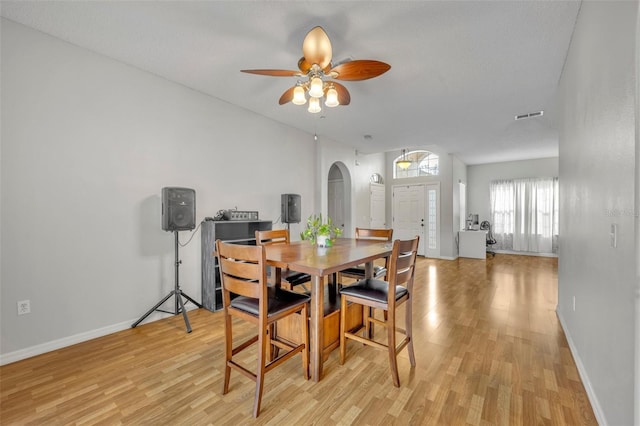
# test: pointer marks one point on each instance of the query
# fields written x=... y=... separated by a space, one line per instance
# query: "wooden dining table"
x=321 y=263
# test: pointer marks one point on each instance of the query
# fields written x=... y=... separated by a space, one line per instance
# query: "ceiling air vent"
x=530 y=115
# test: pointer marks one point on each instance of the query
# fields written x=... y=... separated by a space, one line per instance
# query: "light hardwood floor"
x=489 y=350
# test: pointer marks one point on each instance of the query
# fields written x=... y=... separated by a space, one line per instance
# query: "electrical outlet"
x=24 y=307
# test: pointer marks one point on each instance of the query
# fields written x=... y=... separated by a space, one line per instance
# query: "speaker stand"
x=177 y=292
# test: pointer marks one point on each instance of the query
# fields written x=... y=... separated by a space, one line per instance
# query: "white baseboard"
x=517 y=253
x=595 y=404
x=53 y=345
x=526 y=253
x=440 y=257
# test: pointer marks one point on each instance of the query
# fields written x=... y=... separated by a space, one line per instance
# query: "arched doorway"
x=339 y=196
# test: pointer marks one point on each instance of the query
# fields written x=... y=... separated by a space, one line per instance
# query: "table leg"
x=277 y=281
x=277 y=278
x=316 y=327
x=368 y=270
x=332 y=285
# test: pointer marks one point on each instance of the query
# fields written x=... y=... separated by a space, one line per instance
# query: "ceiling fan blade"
x=274 y=73
x=362 y=69
x=287 y=96
x=304 y=65
x=343 y=94
x=316 y=47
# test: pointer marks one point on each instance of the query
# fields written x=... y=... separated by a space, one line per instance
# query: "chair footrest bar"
x=377 y=321
x=366 y=341
x=402 y=344
x=282 y=358
x=244 y=345
x=242 y=370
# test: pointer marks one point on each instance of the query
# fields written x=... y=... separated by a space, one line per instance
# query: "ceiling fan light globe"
x=314 y=105
x=332 y=98
x=315 y=87
x=298 y=96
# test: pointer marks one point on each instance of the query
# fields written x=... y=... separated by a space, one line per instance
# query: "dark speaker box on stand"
x=178 y=209
x=290 y=206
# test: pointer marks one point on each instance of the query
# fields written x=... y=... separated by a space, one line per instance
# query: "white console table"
x=473 y=244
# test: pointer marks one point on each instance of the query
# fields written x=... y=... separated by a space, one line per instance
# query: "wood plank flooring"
x=489 y=351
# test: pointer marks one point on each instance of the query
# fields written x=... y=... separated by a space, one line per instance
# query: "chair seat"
x=374 y=290
x=297 y=278
x=378 y=271
x=278 y=301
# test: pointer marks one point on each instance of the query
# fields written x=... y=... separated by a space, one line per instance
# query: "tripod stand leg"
x=184 y=311
x=190 y=299
x=179 y=306
x=154 y=308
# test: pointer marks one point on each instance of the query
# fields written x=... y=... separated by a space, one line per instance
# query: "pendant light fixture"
x=404 y=164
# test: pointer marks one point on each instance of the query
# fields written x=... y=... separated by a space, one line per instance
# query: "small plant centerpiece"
x=320 y=232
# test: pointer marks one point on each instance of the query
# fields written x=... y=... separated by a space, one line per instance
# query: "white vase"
x=321 y=240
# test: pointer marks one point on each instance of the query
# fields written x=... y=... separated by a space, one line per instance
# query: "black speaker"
x=178 y=209
x=290 y=208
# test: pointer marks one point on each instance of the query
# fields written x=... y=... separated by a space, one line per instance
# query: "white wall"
x=87 y=144
x=459 y=176
x=598 y=168
x=329 y=152
x=366 y=165
x=479 y=178
x=637 y=211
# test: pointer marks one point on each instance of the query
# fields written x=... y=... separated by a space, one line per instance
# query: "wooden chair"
x=386 y=295
x=290 y=279
x=358 y=272
x=243 y=273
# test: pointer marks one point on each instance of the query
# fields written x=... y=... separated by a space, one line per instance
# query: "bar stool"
x=290 y=279
x=244 y=274
x=358 y=272
x=385 y=295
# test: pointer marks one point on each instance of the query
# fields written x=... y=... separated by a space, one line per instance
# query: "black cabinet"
x=236 y=231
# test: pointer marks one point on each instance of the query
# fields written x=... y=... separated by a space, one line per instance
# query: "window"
x=524 y=214
x=423 y=163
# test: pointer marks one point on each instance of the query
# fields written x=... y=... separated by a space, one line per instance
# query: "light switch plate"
x=614 y=235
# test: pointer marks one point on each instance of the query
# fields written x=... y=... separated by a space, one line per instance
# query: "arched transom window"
x=423 y=163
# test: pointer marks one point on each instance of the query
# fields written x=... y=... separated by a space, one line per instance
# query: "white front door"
x=377 y=217
x=409 y=214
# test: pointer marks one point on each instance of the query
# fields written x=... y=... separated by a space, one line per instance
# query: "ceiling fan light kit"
x=315 y=87
x=332 y=98
x=298 y=96
x=315 y=65
x=314 y=105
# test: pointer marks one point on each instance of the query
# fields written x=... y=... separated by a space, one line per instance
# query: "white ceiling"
x=460 y=71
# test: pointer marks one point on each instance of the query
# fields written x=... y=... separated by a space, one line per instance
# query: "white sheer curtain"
x=524 y=213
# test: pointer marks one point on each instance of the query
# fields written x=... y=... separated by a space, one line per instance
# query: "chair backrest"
x=275 y=236
x=374 y=234
x=486 y=226
x=242 y=271
x=402 y=265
